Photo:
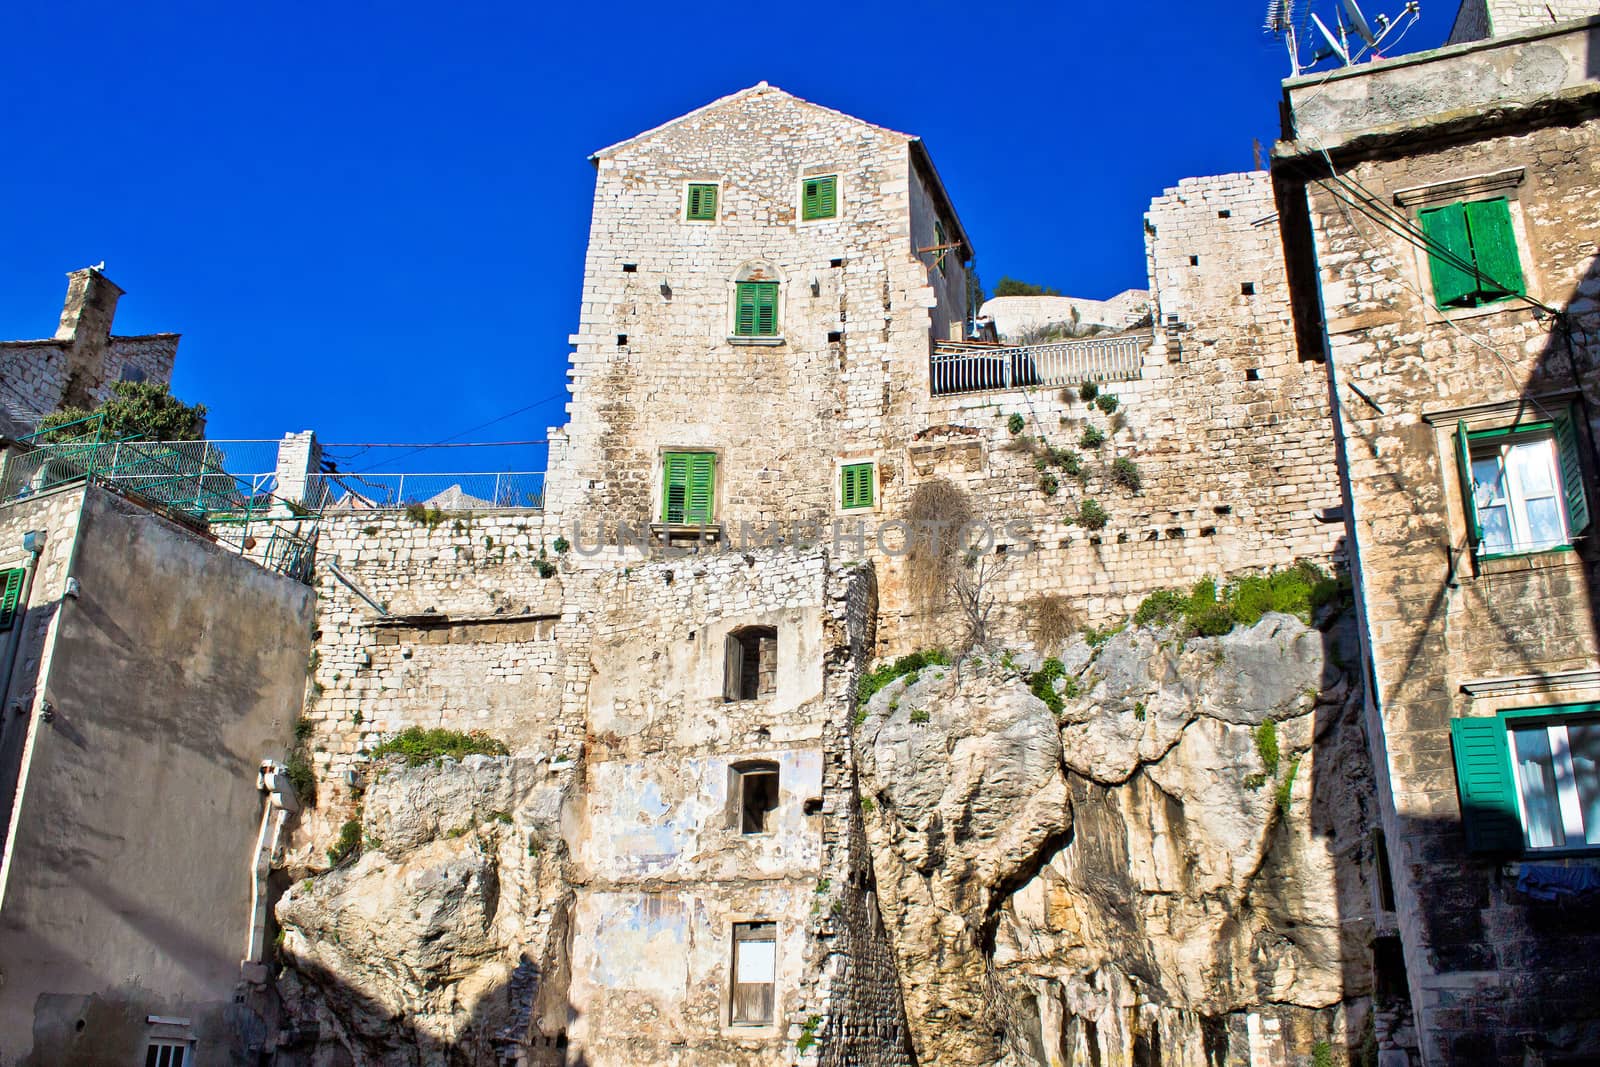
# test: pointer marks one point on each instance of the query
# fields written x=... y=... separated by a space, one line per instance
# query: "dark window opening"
x=835 y=262
x=1224 y=214
x=835 y=336
x=622 y=339
x=1252 y=375
x=757 y=785
x=1380 y=860
x=166 y=1054
x=1247 y=288
x=751 y=663
x=629 y=268
x=1194 y=261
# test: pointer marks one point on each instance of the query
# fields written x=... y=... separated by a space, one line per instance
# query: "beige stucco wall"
x=173 y=673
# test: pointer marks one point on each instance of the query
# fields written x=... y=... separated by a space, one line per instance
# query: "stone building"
x=151 y=678
x=79 y=365
x=1451 y=211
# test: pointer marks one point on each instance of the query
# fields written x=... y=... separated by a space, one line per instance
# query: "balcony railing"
x=960 y=367
x=447 y=492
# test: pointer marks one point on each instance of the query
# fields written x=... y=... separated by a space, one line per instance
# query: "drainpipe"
x=33 y=542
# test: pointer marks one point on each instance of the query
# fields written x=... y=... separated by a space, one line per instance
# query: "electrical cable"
x=463 y=433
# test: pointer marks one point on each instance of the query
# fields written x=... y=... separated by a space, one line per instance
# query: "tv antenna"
x=1351 y=40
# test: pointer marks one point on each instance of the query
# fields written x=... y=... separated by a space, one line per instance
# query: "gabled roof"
x=919 y=150
x=758 y=89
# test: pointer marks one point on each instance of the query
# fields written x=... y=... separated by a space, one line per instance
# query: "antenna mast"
x=1281 y=23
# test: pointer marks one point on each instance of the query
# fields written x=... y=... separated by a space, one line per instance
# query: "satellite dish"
x=1359 y=22
x=1333 y=42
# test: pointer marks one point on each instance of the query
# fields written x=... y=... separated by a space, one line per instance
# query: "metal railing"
x=447 y=492
x=959 y=367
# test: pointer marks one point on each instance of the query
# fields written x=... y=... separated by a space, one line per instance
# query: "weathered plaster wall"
x=1486 y=966
x=172 y=674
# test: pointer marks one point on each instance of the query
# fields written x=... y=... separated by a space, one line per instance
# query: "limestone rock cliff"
x=446 y=935
x=1170 y=871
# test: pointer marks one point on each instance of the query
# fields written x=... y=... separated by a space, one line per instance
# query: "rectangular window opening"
x=1247 y=289
x=159 y=1053
x=758 y=801
x=756 y=309
x=1251 y=374
x=630 y=268
x=1522 y=487
x=755 y=959
x=702 y=205
x=1194 y=261
x=688 y=488
x=1472 y=253
x=622 y=339
x=819 y=197
x=1224 y=214
x=857 y=483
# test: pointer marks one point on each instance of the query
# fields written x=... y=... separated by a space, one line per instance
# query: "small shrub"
x=1015 y=424
x=303 y=729
x=1024 y=443
x=298 y=770
x=1042 y=683
x=561 y=545
x=1092 y=437
x=919 y=716
x=1052 y=619
x=876 y=679
x=1286 y=786
x=348 y=843
x=1088 y=391
x=418 y=746
x=423 y=515
x=808 y=1034
x=370 y=531
x=545 y=568
x=1288 y=590
x=1070 y=462
x=1139 y=710
x=861 y=714
x=1213 y=621
x=1322 y=1054
x=1253 y=782
x=1125 y=472
x=1106 y=402
x=1267 y=747
x=1091 y=516
x=868 y=805
x=1162 y=607
x=1097 y=637
x=1048 y=485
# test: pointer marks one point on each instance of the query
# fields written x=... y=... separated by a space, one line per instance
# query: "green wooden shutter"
x=939 y=238
x=819 y=198
x=702 y=482
x=1469 y=499
x=674 y=486
x=11 y=597
x=1487 y=789
x=1494 y=247
x=702 y=202
x=744 y=319
x=1571 y=474
x=1446 y=228
x=766 y=302
x=855 y=485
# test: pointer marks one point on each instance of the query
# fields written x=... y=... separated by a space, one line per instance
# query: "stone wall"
x=1452 y=635
x=1227 y=426
x=1481 y=19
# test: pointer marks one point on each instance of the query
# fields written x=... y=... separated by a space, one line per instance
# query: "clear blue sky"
x=369 y=219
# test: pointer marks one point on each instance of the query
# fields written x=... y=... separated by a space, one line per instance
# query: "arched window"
x=751 y=663
x=758 y=302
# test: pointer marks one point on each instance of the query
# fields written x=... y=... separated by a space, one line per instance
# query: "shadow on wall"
x=503 y=1029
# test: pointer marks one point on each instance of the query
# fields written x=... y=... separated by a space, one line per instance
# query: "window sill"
x=668 y=532
x=764 y=342
x=1435 y=314
x=1533 y=560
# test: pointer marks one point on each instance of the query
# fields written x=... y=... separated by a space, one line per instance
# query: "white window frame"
x=1516 y=496
x=1569 y=803
x=154 y=1045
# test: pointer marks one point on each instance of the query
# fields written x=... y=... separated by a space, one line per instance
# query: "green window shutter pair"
x=1469 y=499
x=939 y=239
x=756 y=309
x=1472 y=254
x=702 y=203
x=688 y=487
x=1488 y=790
x=11 y=597
x=855 y=489
x=819 y=198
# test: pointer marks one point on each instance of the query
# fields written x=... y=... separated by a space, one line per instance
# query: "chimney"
x=86 y=324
